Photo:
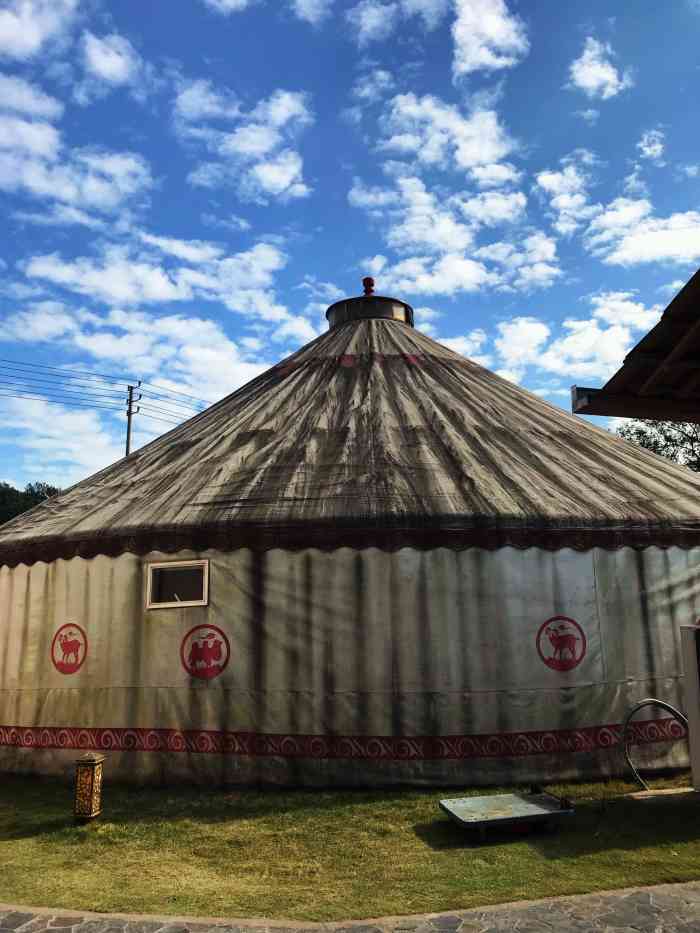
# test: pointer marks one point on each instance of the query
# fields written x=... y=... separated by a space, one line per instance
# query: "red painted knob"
x=368 y=284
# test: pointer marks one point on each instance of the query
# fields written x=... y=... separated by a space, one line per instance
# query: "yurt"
x=376 y=563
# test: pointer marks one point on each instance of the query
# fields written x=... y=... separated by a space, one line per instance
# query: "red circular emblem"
x=561 y=643
x=69 y=648
x=205 y=651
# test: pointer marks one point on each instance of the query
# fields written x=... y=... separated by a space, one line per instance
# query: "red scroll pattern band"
x=376 y=748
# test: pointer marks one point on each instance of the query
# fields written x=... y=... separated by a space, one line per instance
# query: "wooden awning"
x=660 y=377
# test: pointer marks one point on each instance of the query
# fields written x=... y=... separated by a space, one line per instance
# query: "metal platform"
x=498 y=811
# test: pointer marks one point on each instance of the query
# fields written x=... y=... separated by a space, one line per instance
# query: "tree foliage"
x=15 y=501
x=675 y=440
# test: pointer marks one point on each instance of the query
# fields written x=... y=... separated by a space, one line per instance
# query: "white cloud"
x=60 y=445
x=111 y=62
x=531 y=264
x=25 y=137
x=373 y=86
x=594 y=73
x=495 y=174
x=651 y=146
x=226 y=7
x=194 y=251
x=119 y=279
x=487 y=36
x=257 y=157
x=424 y=225
x=590 y=115
x=280 y=176
x=284 y=108
x=231 y=222
x=590 y=348
x=41 y=322
x=634 y=184
x=612 y=224
x=372 y=198
x=691 y=171
x=170 y=270
x=312 y=11
x=421 y=224
x=448 y=274
x=520 y=341
x=251 y=141
x=568 y=192
x=671 y=288
x=627 y=234
x=375 y=20
x=437 y=134
x=60 y=215
x=85 y=178
x=112 y=59
x=468 y=344
x=27 y=25
x=200 y=100
x=371 y=21
x=22 y=97
x=491 y=208
x=432 y=12
x=622 y=308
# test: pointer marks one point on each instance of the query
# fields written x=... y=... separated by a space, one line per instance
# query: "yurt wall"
x=346 y=667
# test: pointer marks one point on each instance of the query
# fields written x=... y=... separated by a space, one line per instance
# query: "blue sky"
x=187 y=185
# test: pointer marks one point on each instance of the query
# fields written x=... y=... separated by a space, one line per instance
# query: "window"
x=178 y=584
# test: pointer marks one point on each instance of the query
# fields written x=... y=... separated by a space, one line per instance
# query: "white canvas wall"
x=364 y=647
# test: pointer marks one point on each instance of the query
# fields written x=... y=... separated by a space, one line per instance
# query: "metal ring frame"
x=650 y=701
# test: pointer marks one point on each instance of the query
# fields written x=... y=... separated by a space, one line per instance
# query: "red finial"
x=368 y=284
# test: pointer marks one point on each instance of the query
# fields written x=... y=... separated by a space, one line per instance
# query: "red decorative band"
x=376 y=748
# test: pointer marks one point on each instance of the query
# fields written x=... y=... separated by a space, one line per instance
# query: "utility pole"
x=131 y=401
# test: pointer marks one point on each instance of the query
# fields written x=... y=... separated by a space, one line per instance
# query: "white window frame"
x=172 y=565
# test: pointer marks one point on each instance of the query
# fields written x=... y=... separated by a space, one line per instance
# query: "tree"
x=675 y=440
x=15 y=501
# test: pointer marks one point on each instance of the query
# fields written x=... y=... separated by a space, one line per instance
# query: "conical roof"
x=371 y=435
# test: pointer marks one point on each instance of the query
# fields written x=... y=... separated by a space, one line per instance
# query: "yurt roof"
x=371 y=435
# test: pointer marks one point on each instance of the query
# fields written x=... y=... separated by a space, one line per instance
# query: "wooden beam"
x=599 y=402
x=677 y=353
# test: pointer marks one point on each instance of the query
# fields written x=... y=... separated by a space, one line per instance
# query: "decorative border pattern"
x=387 y=532
x=372 y=748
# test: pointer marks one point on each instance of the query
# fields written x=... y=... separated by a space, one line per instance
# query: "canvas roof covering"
x=371 y=435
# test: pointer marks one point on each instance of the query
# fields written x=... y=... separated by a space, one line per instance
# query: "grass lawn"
x=319 y=855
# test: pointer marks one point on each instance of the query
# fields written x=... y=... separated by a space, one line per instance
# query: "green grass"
x=321 y=855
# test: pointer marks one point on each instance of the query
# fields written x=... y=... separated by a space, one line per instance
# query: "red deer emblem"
x=561 y=643
x=69 y=648
x=205 y=651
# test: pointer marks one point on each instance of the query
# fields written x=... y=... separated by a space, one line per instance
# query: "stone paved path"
x=667 y=908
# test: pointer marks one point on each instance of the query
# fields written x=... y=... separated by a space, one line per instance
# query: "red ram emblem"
x=69 y=648
x=561 y=643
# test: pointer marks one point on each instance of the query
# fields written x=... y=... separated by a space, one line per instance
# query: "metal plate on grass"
x=506 y=809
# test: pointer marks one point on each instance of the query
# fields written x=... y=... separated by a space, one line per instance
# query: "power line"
x=166 y=411
x=160 y=400
x=175 y=424
x=58 y=401
x=178 y=406
x=79 y=376
x=67 y=369
x=52 y=379
x=41 y=369
x=175 y=392
x=79 y=388
x=12 y=382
